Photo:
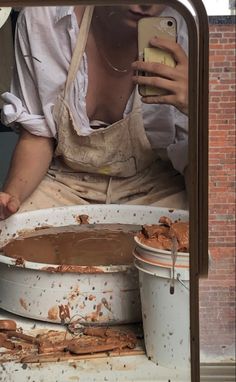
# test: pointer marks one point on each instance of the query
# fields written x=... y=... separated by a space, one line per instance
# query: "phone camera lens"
x=170 y=23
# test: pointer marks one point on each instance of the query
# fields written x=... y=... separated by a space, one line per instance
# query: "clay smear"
x=84 y=245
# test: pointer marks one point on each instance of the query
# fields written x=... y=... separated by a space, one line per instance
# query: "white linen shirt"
x=44 y=44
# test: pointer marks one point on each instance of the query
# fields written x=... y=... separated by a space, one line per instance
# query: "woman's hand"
x=174 y=80
x=9 y=205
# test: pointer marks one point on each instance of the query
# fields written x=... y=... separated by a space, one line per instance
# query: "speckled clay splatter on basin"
x=55 y=293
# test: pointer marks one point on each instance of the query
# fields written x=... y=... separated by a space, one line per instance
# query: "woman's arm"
x=30 y=162
x=174 y=80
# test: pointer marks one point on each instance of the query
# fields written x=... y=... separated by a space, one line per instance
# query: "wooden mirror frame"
x=198 y=34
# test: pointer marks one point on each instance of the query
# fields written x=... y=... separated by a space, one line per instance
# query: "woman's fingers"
x=161 y=99
x=174 y=80
x=169 y=99
x=8 y=205
x=177 y=92
x=157 y=82
x=155 y=68
x=170 y=46
x=13 y=205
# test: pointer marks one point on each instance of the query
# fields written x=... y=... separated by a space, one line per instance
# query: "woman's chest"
x=107 y=93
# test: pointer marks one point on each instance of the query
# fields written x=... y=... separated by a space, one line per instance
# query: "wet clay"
x=87 y=245
x=161 y=235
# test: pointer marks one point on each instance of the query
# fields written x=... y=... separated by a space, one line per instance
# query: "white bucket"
x=166 y=317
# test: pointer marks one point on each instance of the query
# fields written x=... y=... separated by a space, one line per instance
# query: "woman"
x=86 y=136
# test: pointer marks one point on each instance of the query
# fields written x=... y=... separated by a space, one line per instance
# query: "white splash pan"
x=100 y=295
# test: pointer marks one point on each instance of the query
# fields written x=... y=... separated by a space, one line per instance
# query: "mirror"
x=97 y=104
x=109 y=58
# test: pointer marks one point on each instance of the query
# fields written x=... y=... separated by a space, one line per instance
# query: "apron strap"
x=137 y=103
x=78 y=54
x=79 y=47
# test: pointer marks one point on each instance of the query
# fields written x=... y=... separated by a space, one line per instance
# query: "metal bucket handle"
x=181 y=282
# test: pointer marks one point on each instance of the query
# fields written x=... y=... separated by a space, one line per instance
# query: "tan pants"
x=152 y=187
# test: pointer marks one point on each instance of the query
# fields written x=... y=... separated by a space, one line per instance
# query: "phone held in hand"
x=149 y=27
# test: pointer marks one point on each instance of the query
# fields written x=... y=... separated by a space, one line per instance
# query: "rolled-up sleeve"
x=15 y=114
x=23 y=105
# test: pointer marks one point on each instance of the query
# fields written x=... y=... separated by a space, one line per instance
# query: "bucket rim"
x=58 y=268
x=177 y=276
x=156 y=250
x=166 y=265
x=146 y=271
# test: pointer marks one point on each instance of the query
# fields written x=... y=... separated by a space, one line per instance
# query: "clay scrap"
x=161 y=235
x=25 y=348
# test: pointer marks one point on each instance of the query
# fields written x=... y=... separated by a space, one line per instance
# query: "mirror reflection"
x=81 y=81
x=98 y=97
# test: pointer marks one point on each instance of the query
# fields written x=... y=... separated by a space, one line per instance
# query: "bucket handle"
x=181 y=282
x=174 y=252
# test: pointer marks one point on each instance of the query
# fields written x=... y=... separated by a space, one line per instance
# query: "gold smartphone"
x=149 y=27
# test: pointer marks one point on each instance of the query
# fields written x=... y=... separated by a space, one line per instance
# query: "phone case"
x=149 y=27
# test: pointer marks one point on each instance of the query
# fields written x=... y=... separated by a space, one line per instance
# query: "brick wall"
x=217 y=293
